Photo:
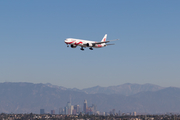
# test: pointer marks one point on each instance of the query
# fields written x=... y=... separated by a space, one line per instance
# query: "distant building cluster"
x=91 y=110
x=75 y=109
x=119 y=113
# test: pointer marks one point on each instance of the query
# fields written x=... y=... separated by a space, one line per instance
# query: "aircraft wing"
x=105 y=41
x=101 y=42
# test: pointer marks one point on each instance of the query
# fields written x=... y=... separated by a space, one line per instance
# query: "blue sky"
x=32 y=47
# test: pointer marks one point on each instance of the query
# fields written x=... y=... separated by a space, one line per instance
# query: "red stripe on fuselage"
x=78 y=43
x=69 y=42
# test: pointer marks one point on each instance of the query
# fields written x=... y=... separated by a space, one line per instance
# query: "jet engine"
x=73 y=46
x=90 y=45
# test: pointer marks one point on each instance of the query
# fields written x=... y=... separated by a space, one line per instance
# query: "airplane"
x=86 y=43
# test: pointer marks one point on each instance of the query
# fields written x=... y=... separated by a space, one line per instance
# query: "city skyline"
x=29 y=97
x=85 y=109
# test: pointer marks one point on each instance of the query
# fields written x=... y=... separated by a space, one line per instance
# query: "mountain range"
x=147 y=98
x=125 y=89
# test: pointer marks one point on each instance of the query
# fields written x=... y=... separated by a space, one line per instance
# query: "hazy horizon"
x=92 y=86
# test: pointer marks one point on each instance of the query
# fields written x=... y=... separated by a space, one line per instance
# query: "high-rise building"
x=103 y=113
x=85 y=107
x=119 y=113
x=93 y=109
x=42 y=111
x=134 y=113
x=69 y=109
x=69 y=104
x=52 y=111
x=66 y=110
x=77 y=109
x=61 y=111
x=113 y=111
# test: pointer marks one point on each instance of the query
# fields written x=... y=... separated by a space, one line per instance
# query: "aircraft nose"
x=65 y=41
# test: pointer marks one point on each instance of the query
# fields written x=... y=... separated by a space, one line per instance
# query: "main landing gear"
x=91 y=48
x=82 y=49
x=67 y=45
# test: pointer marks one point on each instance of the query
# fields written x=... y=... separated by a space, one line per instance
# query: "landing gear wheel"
x=91 y=48
x=67 y=45
x=82 y=48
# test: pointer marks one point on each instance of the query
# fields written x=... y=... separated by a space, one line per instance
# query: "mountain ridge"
x=29 y=97
x=124 y=89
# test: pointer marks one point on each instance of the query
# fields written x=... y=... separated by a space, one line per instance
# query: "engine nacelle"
x=73 y=46
x=90 y=45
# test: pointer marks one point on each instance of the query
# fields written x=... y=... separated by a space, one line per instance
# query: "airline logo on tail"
x=87 y=43
x=104 y=38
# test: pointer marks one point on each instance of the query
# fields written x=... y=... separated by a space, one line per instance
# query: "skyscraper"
x=69 y=108
x=114 y=112
x=69 y=104
x=52 y=111
x=77 y=108
x=66 y=110
x=85 y=107
x=134 y=113
x=119 y=113
x=91 y=109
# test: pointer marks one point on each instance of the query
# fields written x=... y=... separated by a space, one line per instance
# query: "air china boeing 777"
x=86 y=43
